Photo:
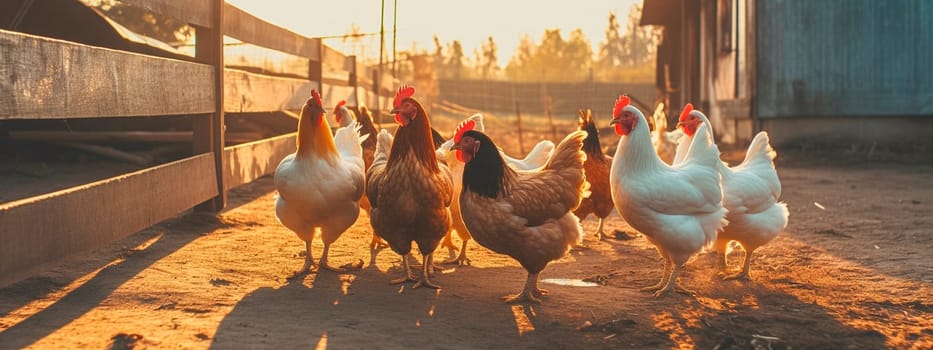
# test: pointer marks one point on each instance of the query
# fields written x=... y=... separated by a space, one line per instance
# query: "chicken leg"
x=377 y=242
x=323 y=262
x=309 y=260
x=407 y=276
x=665 y=274
x=743 y=275
x=600 y=235
x=530 y=293
x=426 y=272
x=461 y=258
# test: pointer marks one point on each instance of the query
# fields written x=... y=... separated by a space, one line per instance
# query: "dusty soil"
x=854 y=269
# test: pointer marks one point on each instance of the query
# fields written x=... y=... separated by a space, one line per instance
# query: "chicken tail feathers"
x=760 y=150
x=569 y=153
x=383 y=146
x=347 y=139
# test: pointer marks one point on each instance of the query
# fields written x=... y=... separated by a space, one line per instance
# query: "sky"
x=471 y=22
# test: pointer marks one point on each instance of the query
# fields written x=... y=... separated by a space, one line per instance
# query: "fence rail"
x=56 y=79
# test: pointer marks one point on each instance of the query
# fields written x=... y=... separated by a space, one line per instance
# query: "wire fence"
x=560 y=100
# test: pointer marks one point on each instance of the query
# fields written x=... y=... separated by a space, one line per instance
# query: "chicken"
x=345 y=116
x=751 y=192
x=525 y=215
x=410 y=191
x=535 y=159
x=596 y=168
x=320 y=185
x=677 y=208
x=664 y=141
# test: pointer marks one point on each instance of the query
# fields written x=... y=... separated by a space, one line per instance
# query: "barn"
x=805 y=71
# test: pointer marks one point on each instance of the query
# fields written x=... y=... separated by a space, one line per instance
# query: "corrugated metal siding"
x=844 y=58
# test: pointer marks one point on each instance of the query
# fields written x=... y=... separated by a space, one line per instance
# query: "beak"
x=614 y=122
x=456 y=147
x=394 y=111
x=679 y=125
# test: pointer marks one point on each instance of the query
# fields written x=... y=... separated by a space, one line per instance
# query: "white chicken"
x=534 y=160
x=751 y=192
x=677 y=208
x=320 y=185
x=664 y=141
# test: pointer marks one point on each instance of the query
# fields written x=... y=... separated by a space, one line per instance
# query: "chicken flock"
x=420 y=188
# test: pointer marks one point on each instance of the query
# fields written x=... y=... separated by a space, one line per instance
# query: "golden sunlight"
x=322 y=343
x=522 y=322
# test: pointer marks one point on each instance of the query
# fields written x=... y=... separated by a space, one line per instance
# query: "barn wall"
x=844 y=58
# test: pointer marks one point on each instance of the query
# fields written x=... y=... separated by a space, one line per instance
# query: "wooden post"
x=355 y=80
x=550 y=121
x=209 y=129
x=518 y=116
x=316 y=66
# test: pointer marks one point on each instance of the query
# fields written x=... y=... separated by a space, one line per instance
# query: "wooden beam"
x=248 y=28
x=40 y=230
x=49 y=79
x=209 y=130
x=248 y=92
x=248 y=162
x=121 y=136
x=195 y=12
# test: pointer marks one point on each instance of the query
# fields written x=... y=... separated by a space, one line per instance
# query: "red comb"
x=339 y=104
x=687 y=109
x=404 y=92
x=620 y=103
x=464 y=126
x=317 y=97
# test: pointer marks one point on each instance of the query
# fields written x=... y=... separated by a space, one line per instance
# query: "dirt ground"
x=853 y=270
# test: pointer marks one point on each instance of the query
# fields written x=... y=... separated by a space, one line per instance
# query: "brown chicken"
x=525 y=215
x=596 y=168
x=409 y=190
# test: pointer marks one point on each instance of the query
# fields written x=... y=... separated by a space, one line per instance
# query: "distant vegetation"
x=621 y=57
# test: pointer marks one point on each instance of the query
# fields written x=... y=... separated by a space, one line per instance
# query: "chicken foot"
x=600 y=234
x=665 y=274
x=461 y=259
x=377 y=242
x=742 y=275
x=425 y=274
x=672 y=284
x=323 y=262
x=407 y=276
x=530 y=293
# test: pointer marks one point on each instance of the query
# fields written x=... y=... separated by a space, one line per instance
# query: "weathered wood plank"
x=122 y=136
x=246 y=27
x=248 y=162
x=40 y=230
x=209 y=129
x=42 y=78
x=247 y=92
x=195 y=12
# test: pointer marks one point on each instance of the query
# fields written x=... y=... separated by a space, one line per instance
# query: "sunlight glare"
x=322 y=343
x=38 y=305
x=522 y=322
x=666 y=322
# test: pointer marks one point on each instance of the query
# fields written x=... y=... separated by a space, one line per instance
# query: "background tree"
x=555 y=59
x=639 y=42
x=456 y=61
x=489 y=63
x=610 y=51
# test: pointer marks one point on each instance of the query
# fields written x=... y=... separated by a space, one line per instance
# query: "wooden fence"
x=56 y=79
